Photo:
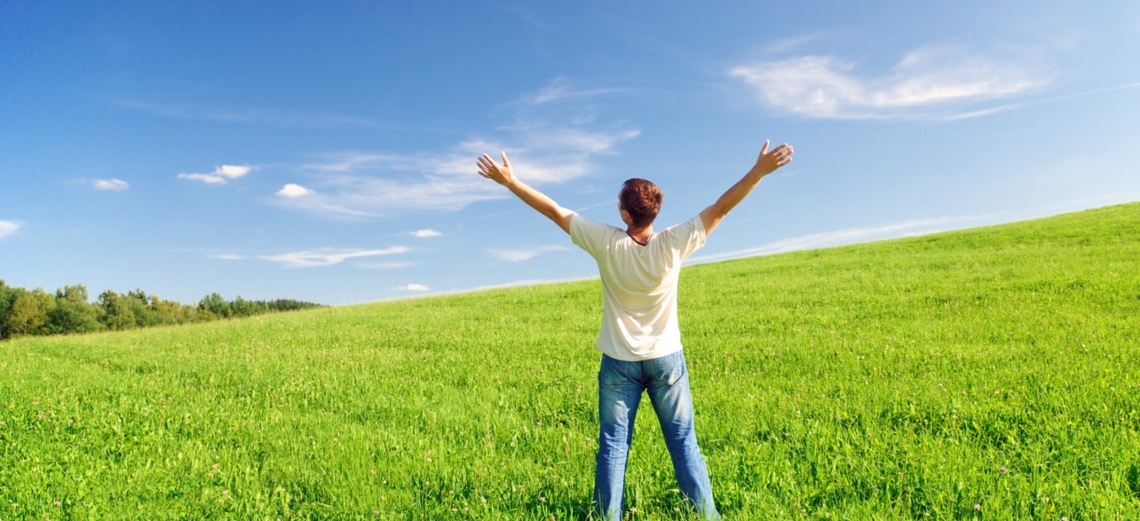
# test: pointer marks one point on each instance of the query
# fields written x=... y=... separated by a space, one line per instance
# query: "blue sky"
x=325 y=151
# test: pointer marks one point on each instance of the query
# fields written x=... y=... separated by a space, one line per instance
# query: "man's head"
x=641 y=200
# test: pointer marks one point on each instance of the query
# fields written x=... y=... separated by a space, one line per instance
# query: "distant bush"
x=68 y=311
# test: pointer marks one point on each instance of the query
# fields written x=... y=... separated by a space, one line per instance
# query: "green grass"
x=906 y=379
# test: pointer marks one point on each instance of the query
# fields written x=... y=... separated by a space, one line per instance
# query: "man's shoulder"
x=590 y=235
x=687 y=236
x=587 y=224
x=691 y=226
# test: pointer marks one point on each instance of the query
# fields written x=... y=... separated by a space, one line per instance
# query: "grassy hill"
x=988 y=373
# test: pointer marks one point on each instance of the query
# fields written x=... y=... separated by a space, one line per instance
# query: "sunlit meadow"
x=979 y=374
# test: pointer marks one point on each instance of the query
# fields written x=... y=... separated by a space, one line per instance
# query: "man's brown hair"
x=641 y=199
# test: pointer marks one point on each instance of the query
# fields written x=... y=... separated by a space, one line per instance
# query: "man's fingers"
x=764 y=150
x=506 y=162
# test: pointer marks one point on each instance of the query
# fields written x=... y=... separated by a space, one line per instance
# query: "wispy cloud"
x=519 y=255
x=988 y=111
x=560 y=89
x=227 y=256
x=384 y=265
x=8 y=228
x=114 y=185
x=364 y=184
x=980 y=113
x=220 y=174
x=305 y=118
x=823 y=86
x=327 y=257
x=361 y=184
x=851 y=235
x=426 y=233
x=413 y=287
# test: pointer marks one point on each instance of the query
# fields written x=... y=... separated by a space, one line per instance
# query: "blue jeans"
x=620 y=385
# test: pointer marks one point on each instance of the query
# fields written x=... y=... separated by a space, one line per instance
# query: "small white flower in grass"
x=1002 y=470
x=977 y=506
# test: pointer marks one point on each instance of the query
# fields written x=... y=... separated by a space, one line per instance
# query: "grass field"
x=991 y=373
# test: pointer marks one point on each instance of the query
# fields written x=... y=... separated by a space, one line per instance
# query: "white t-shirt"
x=639 y=285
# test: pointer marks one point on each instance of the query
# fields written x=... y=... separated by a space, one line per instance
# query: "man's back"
x=639 y=320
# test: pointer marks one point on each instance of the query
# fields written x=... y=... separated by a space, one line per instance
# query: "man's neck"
x=640 y=235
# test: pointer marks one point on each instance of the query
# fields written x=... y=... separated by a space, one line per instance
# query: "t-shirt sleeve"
x=588 y=235
x=688 y=236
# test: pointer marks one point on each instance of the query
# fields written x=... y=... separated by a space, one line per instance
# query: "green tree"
x=117 y=312
x=29 y=313
x=76 y=293
x=8 y=296
x=72 y=313
x=140 y=304
x=216 y=305
x=246 y=308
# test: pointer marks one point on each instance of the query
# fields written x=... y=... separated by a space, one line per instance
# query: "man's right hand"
x=546 y=206
x=498 y=173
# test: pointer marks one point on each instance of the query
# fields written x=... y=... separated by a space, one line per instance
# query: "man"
x=640 y=339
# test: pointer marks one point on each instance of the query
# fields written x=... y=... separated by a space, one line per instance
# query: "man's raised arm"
x=767 y=163
x=546 y=206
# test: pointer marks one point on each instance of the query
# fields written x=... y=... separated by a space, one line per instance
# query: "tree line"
x=36 y=312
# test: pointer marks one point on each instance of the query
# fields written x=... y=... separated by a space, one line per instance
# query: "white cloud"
x=307 y=118
x=851 y=236
x=8 y=228
x=413 y=287
x=327 y=256
x=827 y=87
x=219 y=175
x=980 y=113
x=111 y=184
x=368 y=184
x=384 y=265
x=227 y=256
x=523 y=254
x=293 y=191
x=364 y=185
x=560 y=89
x=423 y=234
